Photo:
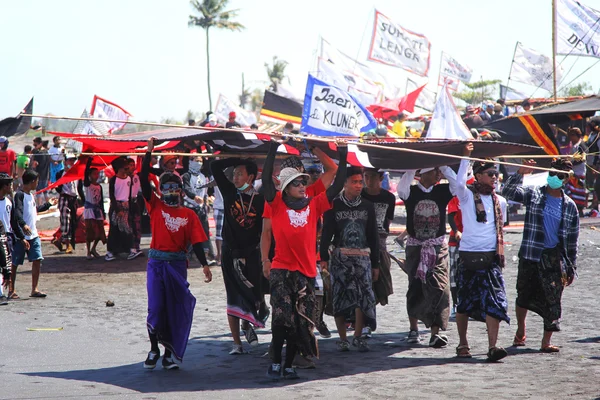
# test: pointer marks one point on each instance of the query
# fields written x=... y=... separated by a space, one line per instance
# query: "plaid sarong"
x=67 y=207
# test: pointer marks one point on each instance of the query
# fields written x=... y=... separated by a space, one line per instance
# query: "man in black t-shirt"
x=384 y=203
x=41 y=163
x=241 y=263
x=428 y=297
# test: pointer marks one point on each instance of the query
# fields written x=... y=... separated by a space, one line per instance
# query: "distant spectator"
x=232 y=122
x=471 y=119
x=498 y=114
x=8 y=158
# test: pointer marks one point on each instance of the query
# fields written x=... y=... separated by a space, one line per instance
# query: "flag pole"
x=553 y=48
x=511 y=67
x=439 y=74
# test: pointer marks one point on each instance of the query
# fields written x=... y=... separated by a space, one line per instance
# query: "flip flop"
x=463 y=351
x=13 y=296
x=38 y=294
x=550 y=349
x=518 y=342
x=89 y=258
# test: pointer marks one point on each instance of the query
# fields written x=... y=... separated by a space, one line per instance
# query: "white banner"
x=577 y=29
x=507 y=93
x=451 y=72
x=224 y=106
x=330 y=111
x=393 y=45
x=446 y=122
x=105 y=109
x=533 y=68
x=365 y=91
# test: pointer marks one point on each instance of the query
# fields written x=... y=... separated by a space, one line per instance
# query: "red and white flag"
x=104 y=109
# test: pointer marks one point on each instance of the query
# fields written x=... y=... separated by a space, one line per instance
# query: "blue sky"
x=142 y=55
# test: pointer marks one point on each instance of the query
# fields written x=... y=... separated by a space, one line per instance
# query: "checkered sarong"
x=218 y=216
x=67 y=206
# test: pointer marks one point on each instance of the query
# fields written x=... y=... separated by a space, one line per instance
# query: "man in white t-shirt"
x=480 y=285
x=26 y=210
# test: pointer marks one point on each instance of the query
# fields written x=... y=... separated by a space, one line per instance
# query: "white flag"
x=533 y=68
x=446 y=122
x=452 y=72
x=105 y=109
x=347 y=63
x=225 y=106
x=365 y=91
x=393 y=45
x=577 y=29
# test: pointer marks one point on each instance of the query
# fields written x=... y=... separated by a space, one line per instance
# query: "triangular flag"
x=446 y=122
x=391 y=108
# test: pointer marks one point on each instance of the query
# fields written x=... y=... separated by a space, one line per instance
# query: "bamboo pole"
x=166 y=153
x=554 y=48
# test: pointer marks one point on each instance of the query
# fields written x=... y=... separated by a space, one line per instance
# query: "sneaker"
x=169 y=363
x=290 y=373
x=237 y=349
x=3 y=300
x=343 y=345
x=251 y=336
x=274 y=371
x=151 y=360
x=438 y=341
x=134 y=254
x=413 y=337
x=302 y=362
x=323 y=330
x=361 y=343
x=366 y=332
x=109 y=256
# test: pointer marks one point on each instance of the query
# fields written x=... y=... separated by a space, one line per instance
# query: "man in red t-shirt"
x=8 y=158
x=170 y=302
x=292 y=217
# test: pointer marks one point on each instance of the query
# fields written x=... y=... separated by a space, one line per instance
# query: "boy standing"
x=93 y=211
x=26 y=214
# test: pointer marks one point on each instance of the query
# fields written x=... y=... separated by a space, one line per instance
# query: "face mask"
x=195 y=167
x=243 y=187
x=171 y=194
x=554 y=182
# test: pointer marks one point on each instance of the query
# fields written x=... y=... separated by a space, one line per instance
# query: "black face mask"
x=171 y=194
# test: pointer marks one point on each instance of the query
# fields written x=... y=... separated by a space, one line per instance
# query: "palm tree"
x=213 y=15
x=276 y=72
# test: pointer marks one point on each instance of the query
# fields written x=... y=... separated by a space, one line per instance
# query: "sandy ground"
x=100 y=350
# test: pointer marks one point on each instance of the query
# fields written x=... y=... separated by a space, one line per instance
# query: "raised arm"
x=513 y=187
x=329 y=166
x=269 y=189
x=144 y=181
x=403 y=188
x=461 y=178
x=217 y=168
x=450 y=176
x=340 y=177
x=88 y=166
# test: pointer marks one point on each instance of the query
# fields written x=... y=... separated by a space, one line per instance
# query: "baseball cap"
x=470 y=108
x=3 y=139
x=232 y=114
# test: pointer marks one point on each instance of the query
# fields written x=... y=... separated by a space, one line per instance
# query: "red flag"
x=391 y=108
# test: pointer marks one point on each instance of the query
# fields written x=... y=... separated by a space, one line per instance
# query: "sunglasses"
x=492 y=174
x=299 y=182
x=560 y=175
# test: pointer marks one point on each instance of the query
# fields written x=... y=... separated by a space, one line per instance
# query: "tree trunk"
x=208 y=71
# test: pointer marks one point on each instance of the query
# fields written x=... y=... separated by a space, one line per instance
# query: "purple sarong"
x=170 y=304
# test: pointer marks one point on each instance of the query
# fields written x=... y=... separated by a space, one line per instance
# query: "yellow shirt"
x=399 y=129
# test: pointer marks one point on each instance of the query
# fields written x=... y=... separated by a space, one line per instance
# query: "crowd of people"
x=311 y=235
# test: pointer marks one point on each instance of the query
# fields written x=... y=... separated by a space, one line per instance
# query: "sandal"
x=496 y=354
x=518 y=342
x=463 y=351
x=13 y=296
x=38 y=294
x=550 y=349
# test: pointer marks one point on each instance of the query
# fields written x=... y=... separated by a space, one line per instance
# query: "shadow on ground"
x=208 y=366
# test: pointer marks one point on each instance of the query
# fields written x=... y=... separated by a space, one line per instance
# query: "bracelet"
x=265 y=261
